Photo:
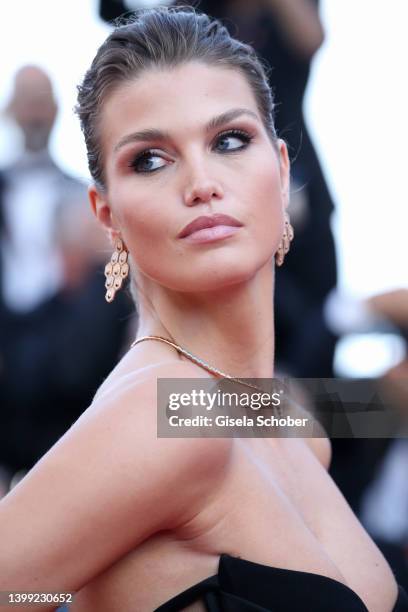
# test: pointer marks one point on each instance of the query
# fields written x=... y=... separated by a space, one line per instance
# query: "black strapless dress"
x=245 y=586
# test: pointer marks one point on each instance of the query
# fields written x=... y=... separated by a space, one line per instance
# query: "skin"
x=392 y=305
x=207 y=297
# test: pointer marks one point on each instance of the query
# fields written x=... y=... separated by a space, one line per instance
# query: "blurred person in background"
x=35 y=188
x=57 y=337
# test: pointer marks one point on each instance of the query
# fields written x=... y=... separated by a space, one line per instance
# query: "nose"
x=202 y=188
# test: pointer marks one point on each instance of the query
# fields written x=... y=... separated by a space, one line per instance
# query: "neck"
x=231 y=329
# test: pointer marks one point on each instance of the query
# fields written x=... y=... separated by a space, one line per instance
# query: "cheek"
x=144 y=225
x=140 y=215
x=267 y=205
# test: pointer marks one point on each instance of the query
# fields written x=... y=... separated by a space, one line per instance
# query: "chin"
x=217 y=275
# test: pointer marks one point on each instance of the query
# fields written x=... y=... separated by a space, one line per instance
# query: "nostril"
x=203 y=191
x=203 y=197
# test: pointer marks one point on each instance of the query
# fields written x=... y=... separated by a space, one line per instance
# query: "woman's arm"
x=391 y=305
x=300 y=23
x=107 y=485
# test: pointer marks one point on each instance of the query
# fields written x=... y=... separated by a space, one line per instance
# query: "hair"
x=163 y=37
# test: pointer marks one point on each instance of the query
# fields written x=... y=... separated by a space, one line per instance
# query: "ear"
x=103 y=212
x=284 y=171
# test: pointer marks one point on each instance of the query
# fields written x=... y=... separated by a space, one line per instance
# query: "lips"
x=206 y=222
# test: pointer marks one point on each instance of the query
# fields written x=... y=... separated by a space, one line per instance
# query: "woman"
x=177 y=118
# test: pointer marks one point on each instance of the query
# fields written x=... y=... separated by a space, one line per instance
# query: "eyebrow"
x=158 y=135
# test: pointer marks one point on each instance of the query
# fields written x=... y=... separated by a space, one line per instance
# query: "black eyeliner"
x=245 y=136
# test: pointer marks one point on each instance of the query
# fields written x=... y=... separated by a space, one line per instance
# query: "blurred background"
x=341 y=295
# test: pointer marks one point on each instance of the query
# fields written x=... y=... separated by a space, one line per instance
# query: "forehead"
x=175 y=99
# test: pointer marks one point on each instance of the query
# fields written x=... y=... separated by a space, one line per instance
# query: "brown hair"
x=163 y=37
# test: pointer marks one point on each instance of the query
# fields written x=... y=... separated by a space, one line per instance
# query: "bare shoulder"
x=110 y=459
x=136 y=366
x=128 y=408
x=132 y=397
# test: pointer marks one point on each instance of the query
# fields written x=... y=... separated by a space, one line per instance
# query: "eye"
x=146 y=162
x=228 y=139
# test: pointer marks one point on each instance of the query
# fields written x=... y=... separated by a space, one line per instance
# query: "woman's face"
x=170 y=157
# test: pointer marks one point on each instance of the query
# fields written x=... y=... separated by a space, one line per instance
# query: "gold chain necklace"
x=201 y=363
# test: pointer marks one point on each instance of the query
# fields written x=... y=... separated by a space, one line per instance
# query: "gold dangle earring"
x=116 y=270
x=284 y=245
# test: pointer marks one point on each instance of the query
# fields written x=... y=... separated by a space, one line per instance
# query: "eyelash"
x=243 y=135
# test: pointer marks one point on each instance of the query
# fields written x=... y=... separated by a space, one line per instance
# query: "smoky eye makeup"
x=243 y=135
x=143 y=162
